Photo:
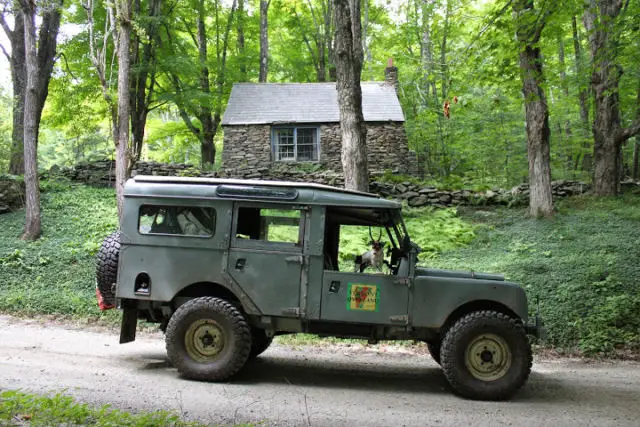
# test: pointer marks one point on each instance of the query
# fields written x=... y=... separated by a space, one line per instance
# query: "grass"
x=582 y=264
x=56 y=274
x=18 y=408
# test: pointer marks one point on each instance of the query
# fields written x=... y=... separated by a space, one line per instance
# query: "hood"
x=434 y=272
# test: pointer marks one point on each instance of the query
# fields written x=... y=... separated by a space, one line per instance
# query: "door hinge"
x=296 y=258
x=401 y=318
x=403 y=281
x=295 y=311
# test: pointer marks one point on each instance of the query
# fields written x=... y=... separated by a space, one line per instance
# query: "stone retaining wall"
x=102 y=173
x=11 y=194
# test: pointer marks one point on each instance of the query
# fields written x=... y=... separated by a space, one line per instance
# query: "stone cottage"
x=270 y=126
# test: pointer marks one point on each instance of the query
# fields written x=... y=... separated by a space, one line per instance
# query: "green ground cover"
x=21 y=409
x=582 y=265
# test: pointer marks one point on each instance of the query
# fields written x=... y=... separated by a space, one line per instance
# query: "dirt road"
x=307 y=386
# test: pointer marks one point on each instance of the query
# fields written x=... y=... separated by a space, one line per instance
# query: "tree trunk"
x=536 y=110
x=241 y=51
x=348 y=60
x=583 y=98
x=45 y=58
x=144 y=79
x=264 y=40
x=600 y=20
x=122 y=144
x=636 y=146
x=32 y=228
x=19 y=80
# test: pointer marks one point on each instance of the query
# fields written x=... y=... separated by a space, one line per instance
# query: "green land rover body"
x=225 y=265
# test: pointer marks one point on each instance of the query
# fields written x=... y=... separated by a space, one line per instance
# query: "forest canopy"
x=458 y=73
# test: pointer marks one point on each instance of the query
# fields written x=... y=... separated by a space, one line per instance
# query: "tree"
x=264 y=40
x=204 y=103
x=144 y=70
x=600 y=19
x=32 y=227
x=348 y=60
x=45 y=59
x=529 y=25
x=123 y=16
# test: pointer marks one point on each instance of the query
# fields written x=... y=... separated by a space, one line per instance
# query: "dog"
x=372 y=258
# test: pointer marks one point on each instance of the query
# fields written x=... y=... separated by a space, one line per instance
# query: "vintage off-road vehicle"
x=225 y=265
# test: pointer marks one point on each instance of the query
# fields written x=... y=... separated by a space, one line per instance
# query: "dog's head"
x=377 y=245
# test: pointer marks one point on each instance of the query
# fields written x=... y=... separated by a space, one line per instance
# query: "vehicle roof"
x=208 y=188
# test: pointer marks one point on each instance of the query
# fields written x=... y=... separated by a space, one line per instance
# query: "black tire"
x=107 y=267
x=486 y=356
x=434 y=350
x=260 y=342
x=208 y=339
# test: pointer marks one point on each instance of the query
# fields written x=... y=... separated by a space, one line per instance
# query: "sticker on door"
x=363 y=297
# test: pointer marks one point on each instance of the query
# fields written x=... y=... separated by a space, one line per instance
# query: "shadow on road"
x=357 y=374
x=404 y=375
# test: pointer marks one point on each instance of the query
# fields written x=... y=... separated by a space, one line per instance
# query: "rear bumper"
x=536 y=328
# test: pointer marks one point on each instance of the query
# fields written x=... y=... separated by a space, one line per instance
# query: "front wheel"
x=208 y=339
x=486 y=355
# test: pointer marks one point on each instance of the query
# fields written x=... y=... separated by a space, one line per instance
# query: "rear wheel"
x=486 y=355
x=208 y=339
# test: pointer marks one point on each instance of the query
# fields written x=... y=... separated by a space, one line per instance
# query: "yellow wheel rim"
x=204 y=340
x=488 y=357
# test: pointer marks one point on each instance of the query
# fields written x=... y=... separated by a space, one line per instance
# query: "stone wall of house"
x=11 y=194
x=386 y=144
x=247 y=149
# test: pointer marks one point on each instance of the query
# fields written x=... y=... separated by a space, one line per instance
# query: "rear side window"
x=177 y=220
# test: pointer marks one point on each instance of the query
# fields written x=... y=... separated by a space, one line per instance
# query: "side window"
x=177 y=220
x=271 y=225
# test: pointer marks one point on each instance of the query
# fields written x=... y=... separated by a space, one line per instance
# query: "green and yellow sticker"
x=363 y=297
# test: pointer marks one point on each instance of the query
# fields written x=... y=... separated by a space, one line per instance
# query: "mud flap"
x=129 y=325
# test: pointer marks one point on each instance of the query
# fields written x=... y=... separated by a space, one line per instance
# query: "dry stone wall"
x=102 y=174
x=11 y=194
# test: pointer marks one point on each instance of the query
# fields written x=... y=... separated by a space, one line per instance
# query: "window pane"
x=178 y=220
x=272 y=225
x=285 y=149
x=307 y=144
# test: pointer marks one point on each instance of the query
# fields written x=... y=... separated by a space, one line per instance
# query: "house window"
x=299 y=144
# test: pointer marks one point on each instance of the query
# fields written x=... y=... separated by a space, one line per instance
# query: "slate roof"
x=269 y=103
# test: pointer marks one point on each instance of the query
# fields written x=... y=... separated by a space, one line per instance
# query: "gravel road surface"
x=307 y=386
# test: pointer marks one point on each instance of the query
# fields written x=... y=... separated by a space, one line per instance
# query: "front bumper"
x=536 y=328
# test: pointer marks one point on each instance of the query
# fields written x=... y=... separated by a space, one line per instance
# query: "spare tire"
x=107 y=270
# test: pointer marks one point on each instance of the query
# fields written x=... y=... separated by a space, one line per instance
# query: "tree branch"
x=489 y=24
x=5 y=26
x=6 y=53
x=626 y=133
x=66 y=63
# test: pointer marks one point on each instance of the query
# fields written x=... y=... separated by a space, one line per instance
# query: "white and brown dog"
x=372 y=258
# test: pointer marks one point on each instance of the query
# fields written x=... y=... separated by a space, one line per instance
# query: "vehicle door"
x=266 y=255
x=368 y=297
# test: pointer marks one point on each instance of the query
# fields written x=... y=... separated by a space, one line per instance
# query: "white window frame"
x=275 y=143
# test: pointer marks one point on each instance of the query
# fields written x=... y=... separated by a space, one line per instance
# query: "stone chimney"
x=391 y=74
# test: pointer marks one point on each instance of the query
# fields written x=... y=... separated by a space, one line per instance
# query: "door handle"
x=240 y=263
